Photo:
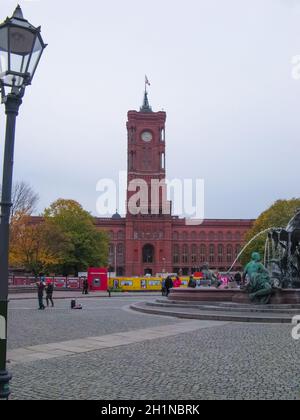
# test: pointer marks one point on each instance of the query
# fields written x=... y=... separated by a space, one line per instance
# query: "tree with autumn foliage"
x=37 y=246
x=278 y=215
x=89 y=247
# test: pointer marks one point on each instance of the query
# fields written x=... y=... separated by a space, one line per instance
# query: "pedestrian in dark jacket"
x=49 y=293
x=192 y=282
x=40 y=289
x=168 y=285
x=238 y=278
x=85 y=289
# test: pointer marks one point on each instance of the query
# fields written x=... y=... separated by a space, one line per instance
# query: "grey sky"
x=221 y=69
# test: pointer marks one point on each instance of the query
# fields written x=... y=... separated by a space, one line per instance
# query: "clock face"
x=147 y=136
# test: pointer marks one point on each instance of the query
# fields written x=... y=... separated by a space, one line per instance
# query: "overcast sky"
x=221 y=69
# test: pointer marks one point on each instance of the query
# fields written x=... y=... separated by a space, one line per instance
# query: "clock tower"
x=148 y=220
x=146 y=161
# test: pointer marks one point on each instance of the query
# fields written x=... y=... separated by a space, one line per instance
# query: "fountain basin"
x=280 y=297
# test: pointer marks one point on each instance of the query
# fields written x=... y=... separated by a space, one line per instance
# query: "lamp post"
x=115 y=262
x=164 y=265
x=21 y=47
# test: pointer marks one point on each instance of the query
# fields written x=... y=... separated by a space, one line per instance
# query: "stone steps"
x=212 y=314
x=205 y=306
x=231 y=304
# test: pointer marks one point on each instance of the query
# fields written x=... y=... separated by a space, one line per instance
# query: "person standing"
x=168 y=285
x=40 y=289
x=49 y=293
x=192 y=282
x=177 y=283
x=238 y=278
x=85 y=290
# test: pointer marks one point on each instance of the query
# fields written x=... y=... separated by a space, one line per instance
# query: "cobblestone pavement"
x=28 y=326
x=232 y=361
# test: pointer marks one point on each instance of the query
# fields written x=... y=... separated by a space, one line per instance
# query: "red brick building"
x=159 y=242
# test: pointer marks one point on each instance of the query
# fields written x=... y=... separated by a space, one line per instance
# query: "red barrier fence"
x=59 y=282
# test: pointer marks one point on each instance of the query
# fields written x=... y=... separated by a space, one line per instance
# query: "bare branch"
x=24 y=199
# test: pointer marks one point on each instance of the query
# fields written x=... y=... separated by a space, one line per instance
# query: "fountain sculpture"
x=282 y=257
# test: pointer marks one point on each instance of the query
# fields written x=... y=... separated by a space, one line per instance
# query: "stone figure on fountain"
x=210 y=277
x=258 y=281
x=288 y=241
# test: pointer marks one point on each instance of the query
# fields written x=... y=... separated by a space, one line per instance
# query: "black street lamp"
x=21 y=47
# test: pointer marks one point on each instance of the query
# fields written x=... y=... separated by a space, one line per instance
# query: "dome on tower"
x=116 y=216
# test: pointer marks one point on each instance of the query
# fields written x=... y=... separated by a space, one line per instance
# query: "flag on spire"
x=147 y=81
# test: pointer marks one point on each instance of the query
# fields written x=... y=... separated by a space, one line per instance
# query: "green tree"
x=278 y=215
x=89 y=247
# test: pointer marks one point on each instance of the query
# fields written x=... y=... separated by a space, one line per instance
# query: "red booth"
x=98 y=279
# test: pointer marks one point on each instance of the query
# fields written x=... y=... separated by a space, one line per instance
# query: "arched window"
x=111 y=235
x=111 y=254
x=131 y=161
x=176 y=254
x=120 y=252
x=202 y=236
x=237 y=236
x=120 y=235
x=194 y=254
x=132 y=134
x=194 y=236
x=220 y=253
x=203 y=253
x=211 y=253
x=229 y=236
x=148 y=254
x=221 y=236
x=238 y=249
x=229 y=254
x=163 y=161
x=175 y=236
x=212 y=236
x=184 y=236
x=185 y=254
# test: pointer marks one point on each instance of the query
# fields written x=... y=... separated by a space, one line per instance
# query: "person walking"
x=85 y=290
x=168 y=285
x=192 y=282
x=40 y=289
x=49 y=293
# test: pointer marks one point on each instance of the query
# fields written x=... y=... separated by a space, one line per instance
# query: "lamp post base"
x=5 y=377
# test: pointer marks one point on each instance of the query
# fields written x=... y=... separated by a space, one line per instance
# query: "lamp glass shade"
x=3 y=50
x=21 y=47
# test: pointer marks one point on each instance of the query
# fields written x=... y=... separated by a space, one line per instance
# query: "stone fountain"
x=275 y=282
x=270 y=293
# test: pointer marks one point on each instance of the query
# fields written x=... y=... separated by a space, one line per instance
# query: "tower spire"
x=146 y=106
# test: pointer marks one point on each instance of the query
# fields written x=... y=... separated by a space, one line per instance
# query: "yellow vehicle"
x=139 y=284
